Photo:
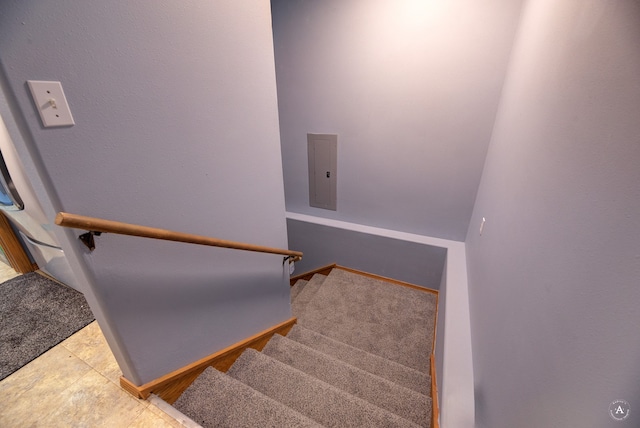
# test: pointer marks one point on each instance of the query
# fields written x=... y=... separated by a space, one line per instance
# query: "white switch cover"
x=51 y=103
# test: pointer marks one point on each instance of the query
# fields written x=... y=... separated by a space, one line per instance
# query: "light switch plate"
x=51 y=103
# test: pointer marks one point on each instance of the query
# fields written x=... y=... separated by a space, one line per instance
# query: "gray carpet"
x=358 y=357
x=308 y=291
x=374 y=389
x=391 y=321
x=232 y=404
x=324 y=403
x=390 y=370
x=36 y=314
x=297 y=288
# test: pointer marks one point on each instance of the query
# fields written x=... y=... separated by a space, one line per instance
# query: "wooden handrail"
x=94 y=224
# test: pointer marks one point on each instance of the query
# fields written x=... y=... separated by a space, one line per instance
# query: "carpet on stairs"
x=217 y=400
x=374 y=389
x=359 y=356
x=297 y=288
x=390 y=370
x=324 y=403
x=391 y=321
x=307 y=294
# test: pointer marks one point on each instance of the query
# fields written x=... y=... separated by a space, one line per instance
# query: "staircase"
x=359 y=356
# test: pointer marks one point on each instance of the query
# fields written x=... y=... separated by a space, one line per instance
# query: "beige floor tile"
x=7 y=272
x=169 y=413
x=76 y=384
x=149 y=418
x=94 y=401
x=49 y=374
x=83 y=342
x=91 y=347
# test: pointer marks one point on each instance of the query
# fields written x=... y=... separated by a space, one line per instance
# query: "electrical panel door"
x=322 y=150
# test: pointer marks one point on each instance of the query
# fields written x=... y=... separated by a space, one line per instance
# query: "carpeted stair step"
x=297 y=288
x=307 y=293
x=217 y=400
x=391 y=321
x=390 y=370
x=318 y=400
x=381 y=392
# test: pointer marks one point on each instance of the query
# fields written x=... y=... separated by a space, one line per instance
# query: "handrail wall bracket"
x=87 y=239
x=292 y=259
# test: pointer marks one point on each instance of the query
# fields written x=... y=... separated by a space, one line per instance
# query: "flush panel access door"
x=322 y=150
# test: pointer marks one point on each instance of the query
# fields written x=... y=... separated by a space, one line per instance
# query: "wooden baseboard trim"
x=325 y=270
x=435 y=411
x=435 y=324
x=12 y=248
x=386 y=279
x=170 y=386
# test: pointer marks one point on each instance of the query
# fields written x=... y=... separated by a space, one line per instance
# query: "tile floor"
x=75 y=384
x=6 y=272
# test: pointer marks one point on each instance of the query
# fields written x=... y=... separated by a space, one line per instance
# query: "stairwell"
x=359 y=356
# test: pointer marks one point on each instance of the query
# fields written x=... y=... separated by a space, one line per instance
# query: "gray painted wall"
x=553 y=280
x=410 y=88
x=403 y=260
x=176 y=127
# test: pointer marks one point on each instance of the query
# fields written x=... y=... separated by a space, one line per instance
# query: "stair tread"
x=391 y=321
x=217 y=400
x=317 y=400
x=297 y=288
x=381 y=392
x=390 y=370
x=307 y=293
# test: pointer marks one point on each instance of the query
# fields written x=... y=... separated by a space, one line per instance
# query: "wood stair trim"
x=324 y=270
x=16 y=255
x=170 y=386
x=435 y=326
x=435 y=411
x=386 y=279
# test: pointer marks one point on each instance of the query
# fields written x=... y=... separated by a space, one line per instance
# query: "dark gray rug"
x=36 y=314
